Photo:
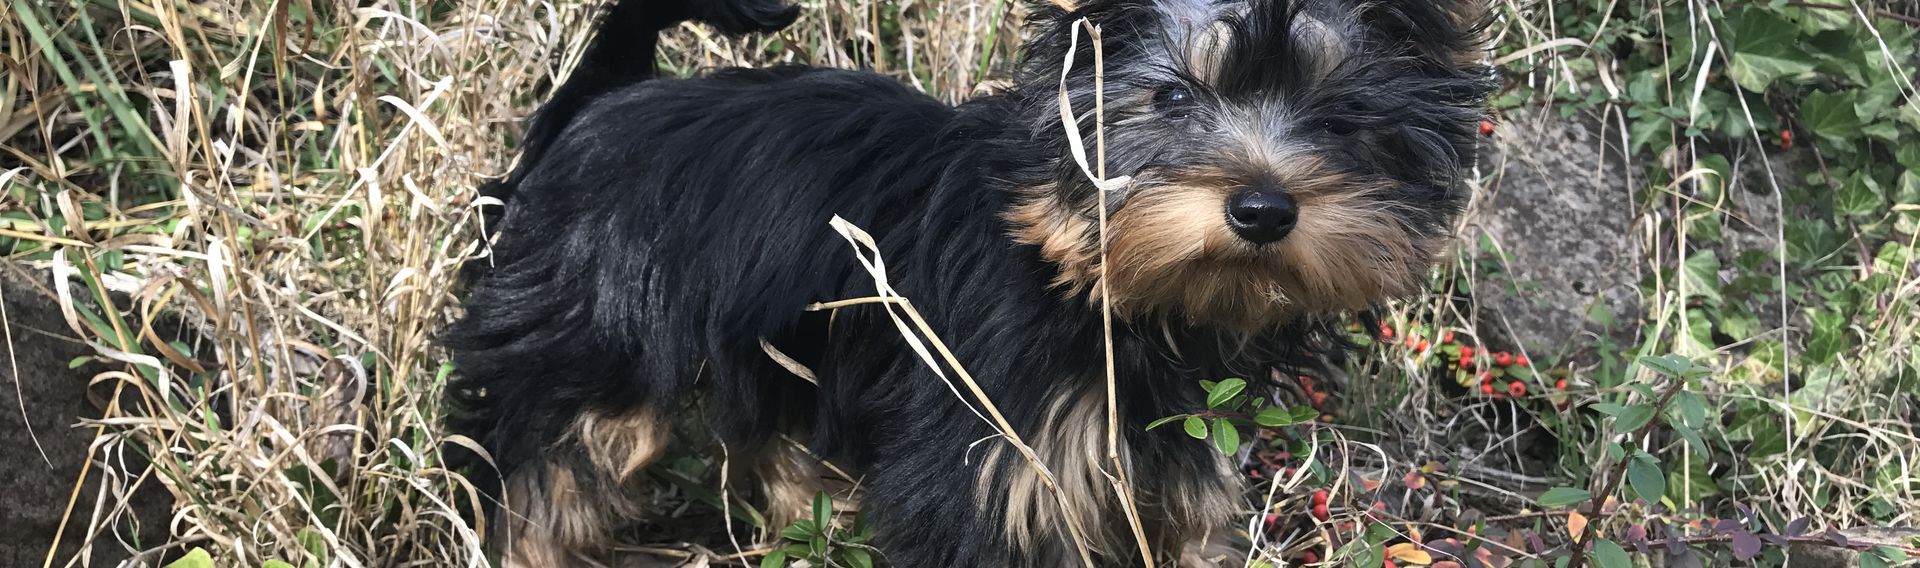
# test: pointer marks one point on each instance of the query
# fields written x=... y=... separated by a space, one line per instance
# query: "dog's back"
x=635 y=257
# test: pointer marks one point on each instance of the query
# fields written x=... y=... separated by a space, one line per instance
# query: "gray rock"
x=1557 y=200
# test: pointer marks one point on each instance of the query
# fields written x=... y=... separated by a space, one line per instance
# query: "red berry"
x=1386 y=332
x=1466 y=352
x=1272 y=519
x=1486 y=128
x=1522 y=361
x=1466 y=360
x=1380 y=506
x=1306 y=382
x=1486 y=389
x=1486 y=378
x=1786 y=139
x=1503 y=358
x=1517 y=389
x=1560 y=384
x=1422 y=347
x=1448 y=338
x=1309 y=557
x=1320 y=497
x=1388 y=563
x=1320 y=512
x=1319 y=399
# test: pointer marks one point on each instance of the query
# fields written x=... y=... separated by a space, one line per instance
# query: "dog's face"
x=1286 y=157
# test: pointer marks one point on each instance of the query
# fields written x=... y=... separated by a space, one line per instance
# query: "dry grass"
x=292 y=183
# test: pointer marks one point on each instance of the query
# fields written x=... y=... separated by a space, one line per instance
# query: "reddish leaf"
x=1839 y=539
x=1576 y=524
x=1745 y=545
x=1797 y=527
x=1683 y=558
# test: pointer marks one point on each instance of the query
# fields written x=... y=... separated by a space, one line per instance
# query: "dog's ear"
x=1456 y=28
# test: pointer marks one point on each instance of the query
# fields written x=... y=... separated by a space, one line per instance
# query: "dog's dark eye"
x=1175 y=101
x=1341 y=127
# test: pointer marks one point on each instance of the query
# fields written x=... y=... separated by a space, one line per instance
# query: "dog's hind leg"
x=563 y=510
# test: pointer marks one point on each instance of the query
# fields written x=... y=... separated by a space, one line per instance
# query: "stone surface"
x=47 y=395
x=1557 y=200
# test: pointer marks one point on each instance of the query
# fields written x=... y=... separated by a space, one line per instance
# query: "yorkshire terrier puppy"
x=1285 y=162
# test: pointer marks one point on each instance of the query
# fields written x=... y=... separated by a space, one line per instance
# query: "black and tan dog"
x=1287 y=161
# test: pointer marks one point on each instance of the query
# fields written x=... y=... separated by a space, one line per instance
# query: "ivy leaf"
x=1225 y=436
x=1765 y=50
x=1859 y=196
x=1195 y=427
x=1830 y=115
x=1610 y=555
x=1829 y=336
x=1644 y=476
x=1702 y=275
x=1563 y=496
x=1224 y=391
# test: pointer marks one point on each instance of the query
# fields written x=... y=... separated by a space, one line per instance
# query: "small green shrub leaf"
x=196 y=558
x=1644 y=476
x=1195 y=427
x=1610 y=555
x=1224 y=391
x=1563 y=496
x=1225 y=436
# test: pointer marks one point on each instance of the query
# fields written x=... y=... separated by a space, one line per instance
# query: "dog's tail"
x=622 y=53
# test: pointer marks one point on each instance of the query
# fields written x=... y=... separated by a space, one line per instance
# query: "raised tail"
x=622 y=53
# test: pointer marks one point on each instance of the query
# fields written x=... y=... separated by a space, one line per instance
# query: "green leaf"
x=1224 y=391
x=775 y=559
x=801 y=530
x=1892 y=554
x=1225 y=436
x=196 y=558
x=1610 y=555
x=1830 y=115
x=1273 y=417
x=276 y=564
x=1195 y=427
x=1702 y=275
x=1829 y=336
x=859 y=558
x=822 y=510
x=1563 y=496
x=1765 y=49
x=1164 y=421
x=1644 y=476
x=1626 y=418
x=1872 y=561
x=1754 y=70
x=1859 y=196
x=1669 y=365
x=1303 y=414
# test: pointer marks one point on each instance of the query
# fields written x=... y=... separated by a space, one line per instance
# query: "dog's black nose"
x=1262 y=217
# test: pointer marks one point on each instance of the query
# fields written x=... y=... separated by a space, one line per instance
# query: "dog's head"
x=1286 y=157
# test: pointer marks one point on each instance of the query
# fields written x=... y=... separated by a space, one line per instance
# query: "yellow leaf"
x=1576 y=524
x=1409 y=553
